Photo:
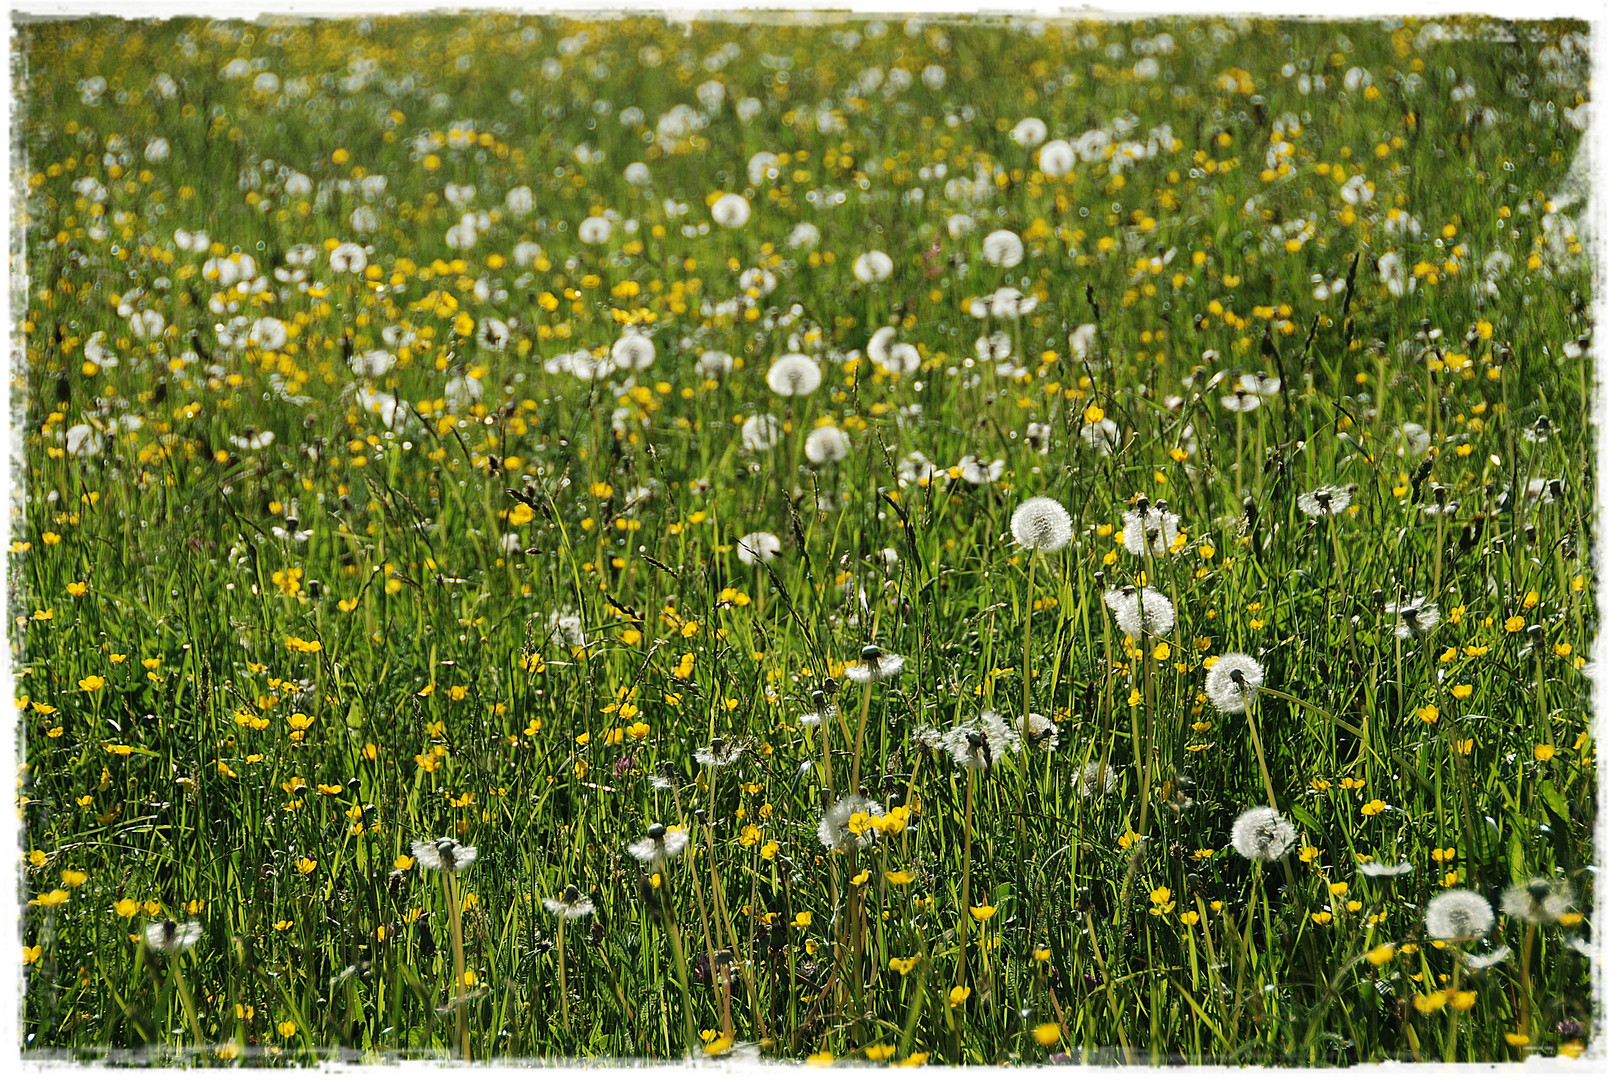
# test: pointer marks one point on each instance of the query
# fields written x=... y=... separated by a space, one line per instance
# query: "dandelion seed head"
x=794 y=375
x=442 y=854
x=659 y=844
x=1262 y=834
x=834 y=828
x=1458 y=915
x=980 y=743
x=1041 y=524
x=876 y=667
x=1537 y=900
x=1232 y=682
x=1326 y=501
x=1095 y=780
x=1151 y=529
x=172 y=937
x=758 y=548
x=1140 y=613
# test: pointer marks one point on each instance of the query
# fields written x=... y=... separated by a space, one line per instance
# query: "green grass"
x=229 y=724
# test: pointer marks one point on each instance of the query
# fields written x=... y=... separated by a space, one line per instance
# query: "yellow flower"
x=1462 y=1000
x=1382 y=954
x=1046 y=1034
x=126 y=908
x=959 y=994
x=822 y=1059
x=51 y=899
x=1545 y=752
x=803 y=919
x=32 y=953
x=287 y=1029
x=1514 y=624
x=983 y=912
x=1516 y=1038
x=899 y=877
x=1462 y=692
x=1321 y=918
x=306 y=865
x=879 y=1051
x=901 y=966
x=915 y=1059
x=1430 y=1003
x=76 y=589
x=74 y=878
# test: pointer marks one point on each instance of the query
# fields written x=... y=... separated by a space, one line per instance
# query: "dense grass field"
x=609 y=446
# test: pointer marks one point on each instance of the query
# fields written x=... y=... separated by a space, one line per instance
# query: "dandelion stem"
x=186 y=1001
x=862 y=729
x=963 y=915
x=462 y=1022
x=1260 y=754
x=565 y=1000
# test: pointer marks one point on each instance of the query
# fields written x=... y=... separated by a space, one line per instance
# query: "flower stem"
x=185 y=1000
x=462 y=1023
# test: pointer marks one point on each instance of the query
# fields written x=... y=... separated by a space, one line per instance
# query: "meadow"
x=914 y=541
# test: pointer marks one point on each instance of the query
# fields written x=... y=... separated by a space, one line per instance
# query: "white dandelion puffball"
x=876 y=667
x=147 y=324
x=520 y=201
x=879 y=344
x=444 y=854
x=633 y=350
x=173 y=938
x=714 y=364
x=759 y=432
x=659 y=845
x=1141 y=612
x=980 y=743
x=1458 y=915
x=348 y=258
x=1029 y=133
x=837 y=831
x=1041 y=524
x=462 y=392
x=794 y=375
x=1056 y=158
x=1233 y=681
x=1082 y=339
x=1104 y=436
x=804 y=235
x=761 y=163
x=757 y=547
x=731 y=211
x=903 y=359
x=1325 y=501
x=1262 y=835
x=1095 y=781
x=267 y=333
x=84 y=441
x=872 y=266
x=373 y=363
x=1414 y=618
x=1150 y=529
x=594 y=230
x=637 y=174
x=1537 y=901
x=1003 y=248
x=827 y=445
